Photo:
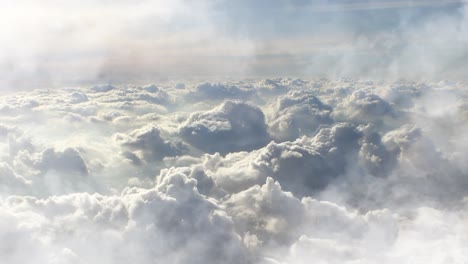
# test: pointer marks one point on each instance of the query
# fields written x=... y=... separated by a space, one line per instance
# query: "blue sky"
x=56 y=42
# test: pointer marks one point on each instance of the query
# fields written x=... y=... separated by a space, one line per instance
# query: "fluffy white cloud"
x=335 y=171
x=363 y=106
x=171 y=222
x=308 y=164
x=298 y=113
x=217 y=91
x=230 y=127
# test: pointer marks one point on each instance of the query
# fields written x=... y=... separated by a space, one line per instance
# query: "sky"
x=238 y=132
x=52 y=42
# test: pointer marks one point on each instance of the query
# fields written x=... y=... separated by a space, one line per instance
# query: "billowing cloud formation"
x=68 y=161
x=148 y=140
x=230 y=127
x=171 y=222
x=299 y=113
x=363 y=106
x=247 y=171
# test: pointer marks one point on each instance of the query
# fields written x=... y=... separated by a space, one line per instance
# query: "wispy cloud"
x=351 y=5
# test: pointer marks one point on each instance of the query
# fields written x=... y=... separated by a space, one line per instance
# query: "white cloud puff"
x=218 y=91
x=298 y=113
x=230 y=127
x=364 y=107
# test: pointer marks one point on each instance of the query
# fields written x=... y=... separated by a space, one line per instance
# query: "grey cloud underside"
x=249 y=171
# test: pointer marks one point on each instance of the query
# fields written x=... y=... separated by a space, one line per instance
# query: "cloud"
x=403 y=94
x=102 y=88
x=364 y=107
x=68 y=160
x=209 y=91
x=11 y=182
x=307 y=165
x=147 y=145
x=299 y=113
x=232 y=126
x=267 y=213
x=76 y=98
x=165 y=222
x=335 y=171
x=153 y=40
x=148 y=140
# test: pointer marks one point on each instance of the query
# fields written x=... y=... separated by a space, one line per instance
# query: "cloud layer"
x=248 y=171
x=55 y=43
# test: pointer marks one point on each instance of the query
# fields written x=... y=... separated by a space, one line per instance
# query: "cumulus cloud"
x=217 y=91
x=166 y=222
x=68 y=160
x=308 y=164
x=299 y=113
x=365 y=107
x=291 y=171
x=149 y=142
x=161 y=131
x=230 y=127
